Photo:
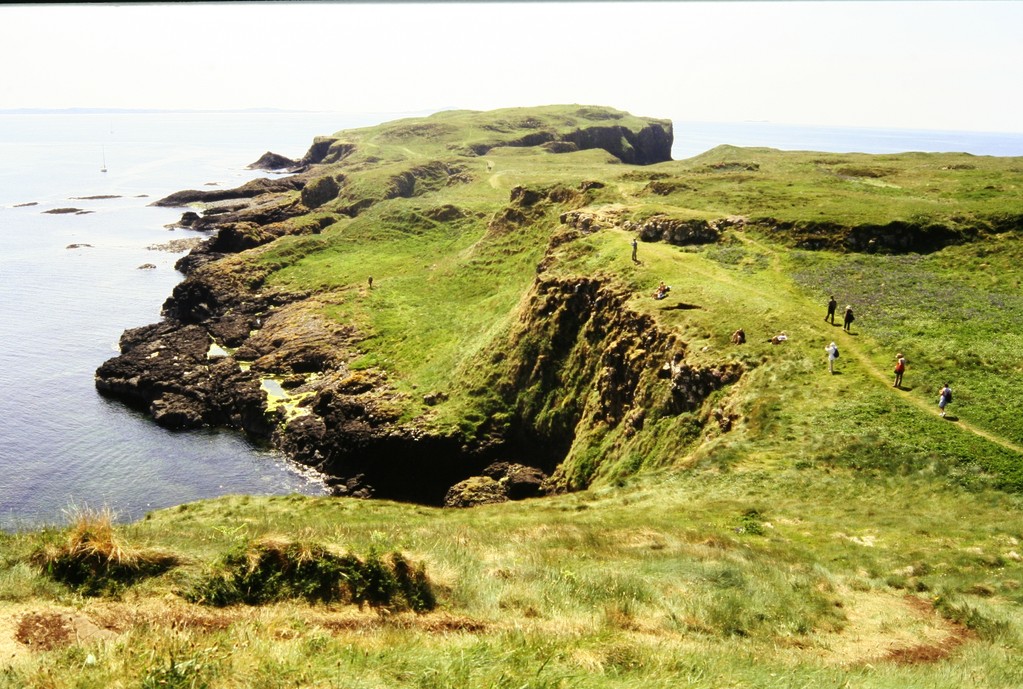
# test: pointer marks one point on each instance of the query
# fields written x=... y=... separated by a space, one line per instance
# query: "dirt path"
x=930 y=408
x=886 y=377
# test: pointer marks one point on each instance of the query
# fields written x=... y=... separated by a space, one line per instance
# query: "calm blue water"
x=62 y=310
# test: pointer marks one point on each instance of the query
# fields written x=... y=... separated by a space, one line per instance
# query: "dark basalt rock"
x=321 y=190
x=272 y=161
x=188 y=219
x=475 y=490
x=248 y=190
x=352 y=487
x=520 y=481
x=197 y=258
x=499 y=482
x=651 y=145
x=161 y=369
x=676 y=231
x=355 y=438
x=896 y=237
x=317 y=151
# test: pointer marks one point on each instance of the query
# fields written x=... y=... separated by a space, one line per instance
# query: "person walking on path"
x=832 y=305
x=944 y=398
x=849 y=318
x=900 y=368
x=635 y=246
x=832 y=350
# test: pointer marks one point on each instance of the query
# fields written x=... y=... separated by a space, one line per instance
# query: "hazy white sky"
x=916 y=64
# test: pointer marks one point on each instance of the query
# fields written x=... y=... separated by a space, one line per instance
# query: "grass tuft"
x=93 y=559
x=271 y=570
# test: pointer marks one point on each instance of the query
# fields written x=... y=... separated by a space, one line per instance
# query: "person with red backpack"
x=900 y=368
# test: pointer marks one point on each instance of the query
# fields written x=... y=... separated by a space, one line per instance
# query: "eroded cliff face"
x=577 y=358
x=233 y=352
x=581 y=360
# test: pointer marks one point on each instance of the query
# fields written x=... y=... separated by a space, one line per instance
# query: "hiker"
x=635 y=245
x=739 y=337
x=832 y=305
x=900 y=368
x=849 y=318
x=662 y=291
x=832 y=350
x=371 y=282
x=944 y=398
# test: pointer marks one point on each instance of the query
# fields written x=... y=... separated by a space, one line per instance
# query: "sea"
x=71 y=282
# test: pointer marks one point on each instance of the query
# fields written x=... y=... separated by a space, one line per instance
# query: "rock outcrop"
x=256 y=187
x=273 y=161
x=583 y=359
x=896 y=237
x=652 y=144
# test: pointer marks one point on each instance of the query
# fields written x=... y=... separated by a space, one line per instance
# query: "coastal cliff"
x=419 y=310
x=237 y=352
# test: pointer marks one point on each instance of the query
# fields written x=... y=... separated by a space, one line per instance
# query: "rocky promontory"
x=421 y=311
x=236 y=352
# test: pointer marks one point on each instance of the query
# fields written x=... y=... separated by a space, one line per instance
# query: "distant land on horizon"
x=427 y=112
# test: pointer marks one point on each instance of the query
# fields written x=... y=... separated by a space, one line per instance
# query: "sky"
x=955 y=65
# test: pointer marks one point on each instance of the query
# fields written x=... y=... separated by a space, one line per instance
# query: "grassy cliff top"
x=790 y=527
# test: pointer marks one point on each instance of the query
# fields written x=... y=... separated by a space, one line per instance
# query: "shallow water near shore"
x=64 y=309
x=71 y=283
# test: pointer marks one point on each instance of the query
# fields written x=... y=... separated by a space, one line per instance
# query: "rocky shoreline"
x=233 y=353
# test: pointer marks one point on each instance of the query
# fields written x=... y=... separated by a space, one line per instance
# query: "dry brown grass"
x=94 y=559
x=92 y=536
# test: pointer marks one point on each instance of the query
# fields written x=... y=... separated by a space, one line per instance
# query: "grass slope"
x=840 y=534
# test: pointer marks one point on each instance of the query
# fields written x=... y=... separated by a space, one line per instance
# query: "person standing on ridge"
x=849 y=318
x=635 y=246
x=832 y=305
x=900 y=368
x=832 y=350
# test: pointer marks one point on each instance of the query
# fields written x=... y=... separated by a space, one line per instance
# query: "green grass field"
x=839 y=534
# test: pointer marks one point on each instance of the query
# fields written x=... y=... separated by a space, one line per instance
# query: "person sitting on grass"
x=662 y=291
